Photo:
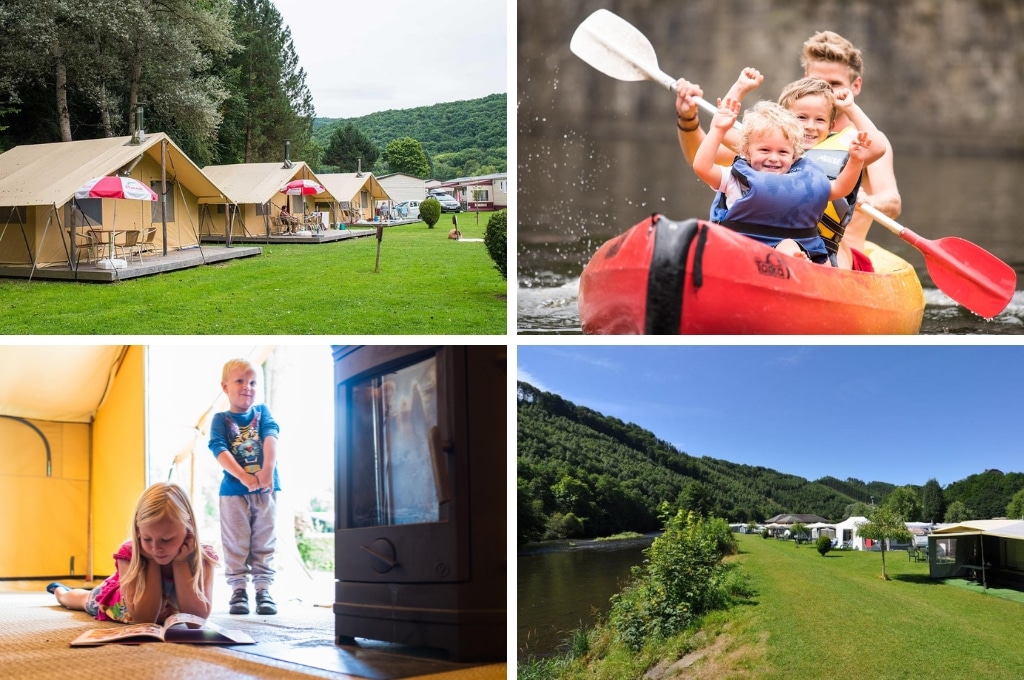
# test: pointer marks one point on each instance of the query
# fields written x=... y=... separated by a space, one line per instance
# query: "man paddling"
x=834 y=59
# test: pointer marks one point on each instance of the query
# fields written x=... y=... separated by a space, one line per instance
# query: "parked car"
x=448 y=204
x=408 y=209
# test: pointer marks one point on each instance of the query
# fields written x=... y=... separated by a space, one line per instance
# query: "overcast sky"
x=895 y=414
x=365 y=57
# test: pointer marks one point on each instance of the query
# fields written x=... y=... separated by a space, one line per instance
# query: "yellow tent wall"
x=45 y=518
x=101 y=465
x=118 y=459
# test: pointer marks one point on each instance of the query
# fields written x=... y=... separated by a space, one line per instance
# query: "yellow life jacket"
x=831 y=155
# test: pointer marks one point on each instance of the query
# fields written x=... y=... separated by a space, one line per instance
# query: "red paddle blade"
x=968 y=273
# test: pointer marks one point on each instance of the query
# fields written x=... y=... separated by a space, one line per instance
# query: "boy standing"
x=244 y=441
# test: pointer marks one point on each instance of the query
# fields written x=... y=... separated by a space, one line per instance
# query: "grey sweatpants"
x=247 y=532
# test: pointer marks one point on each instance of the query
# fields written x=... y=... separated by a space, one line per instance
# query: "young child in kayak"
x=817 y=107
x=771 y=193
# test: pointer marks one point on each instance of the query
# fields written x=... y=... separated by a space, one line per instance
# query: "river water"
x=576 y=190
x=560 y=590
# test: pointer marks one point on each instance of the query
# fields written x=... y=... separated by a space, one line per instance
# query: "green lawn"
x=834 y=617
x=427 y=285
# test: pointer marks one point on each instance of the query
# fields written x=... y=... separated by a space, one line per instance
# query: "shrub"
x=765 y=533
x=823 y=544
x=430 y=211
x=682 y=579
x=564 y=526
x=496 y=241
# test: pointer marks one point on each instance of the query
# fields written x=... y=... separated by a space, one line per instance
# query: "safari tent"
x=357 y=193
x=254 y=190
x=38 y=184
x=991 y=550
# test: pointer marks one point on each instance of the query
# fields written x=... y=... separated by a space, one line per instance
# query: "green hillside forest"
x=460 y=139
x=584 y=474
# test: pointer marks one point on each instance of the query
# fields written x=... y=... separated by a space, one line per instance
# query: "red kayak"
x=697 y=277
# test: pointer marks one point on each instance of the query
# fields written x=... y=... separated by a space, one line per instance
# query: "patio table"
x=107 y=237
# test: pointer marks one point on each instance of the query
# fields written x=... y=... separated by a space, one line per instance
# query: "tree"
x=1016 y=507
x=407 y=155
x=348 y=148
x=695 y=498
x=797 y=530
x=958 y=512
x=430 y=212
x=933 y=502
x=904 y=502
x=496 y=241
x=269 y=102
x=885 y=525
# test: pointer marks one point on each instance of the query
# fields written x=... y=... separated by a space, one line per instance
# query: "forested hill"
x=582 y=473
x=466 y=135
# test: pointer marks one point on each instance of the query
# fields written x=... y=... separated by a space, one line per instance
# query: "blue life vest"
x=831 y=155
x=776 y=207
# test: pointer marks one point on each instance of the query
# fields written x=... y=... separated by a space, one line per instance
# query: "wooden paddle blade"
x=966 y=272
x=616 y=48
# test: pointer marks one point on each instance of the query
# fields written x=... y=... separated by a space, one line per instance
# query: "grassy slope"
x=427 y=284
x=834 y=616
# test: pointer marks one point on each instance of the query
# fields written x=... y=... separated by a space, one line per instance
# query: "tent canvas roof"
x=65 y=383
x=49 y=174
x=345 y=186
x=1005 y=528
x=251 y=183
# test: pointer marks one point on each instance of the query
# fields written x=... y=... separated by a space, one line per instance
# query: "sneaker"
x=239 y=602
x=53 y=587
x=265 y=603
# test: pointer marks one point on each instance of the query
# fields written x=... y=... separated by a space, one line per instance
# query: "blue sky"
x=898 y=414
x=366 y=57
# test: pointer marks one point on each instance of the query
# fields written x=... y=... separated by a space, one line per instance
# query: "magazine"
x=175 y=629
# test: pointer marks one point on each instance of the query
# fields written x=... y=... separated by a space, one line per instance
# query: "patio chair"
x=147 y=242
x=130 y=245
x=83 y=240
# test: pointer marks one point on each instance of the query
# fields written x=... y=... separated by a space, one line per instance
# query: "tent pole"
x=163 y=189
x=984 y=580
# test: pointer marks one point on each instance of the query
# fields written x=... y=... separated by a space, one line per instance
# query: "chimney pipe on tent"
x=140 y=136
x=288 y=153
x=359 y=167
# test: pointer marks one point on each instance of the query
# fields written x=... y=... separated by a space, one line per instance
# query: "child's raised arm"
x=847 y=180
x=859 y=119
x=748 y=80
x=704 y=161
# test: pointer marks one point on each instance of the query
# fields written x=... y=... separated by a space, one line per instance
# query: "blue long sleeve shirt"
x=242 y=435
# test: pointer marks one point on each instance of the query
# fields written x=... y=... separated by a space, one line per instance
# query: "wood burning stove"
x=420 y=497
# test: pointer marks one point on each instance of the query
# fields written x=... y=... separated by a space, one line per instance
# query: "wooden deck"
x=151 y=264
x=359 y=230
x=326 y=236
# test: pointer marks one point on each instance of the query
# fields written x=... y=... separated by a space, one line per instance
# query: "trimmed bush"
x=823 y=544
x=430 y=212
x=496 y=241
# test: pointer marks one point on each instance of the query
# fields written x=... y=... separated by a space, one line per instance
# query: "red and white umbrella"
x=115 y=187
x=302 y=187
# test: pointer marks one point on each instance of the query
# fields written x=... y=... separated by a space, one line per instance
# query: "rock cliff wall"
x=941 y=75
